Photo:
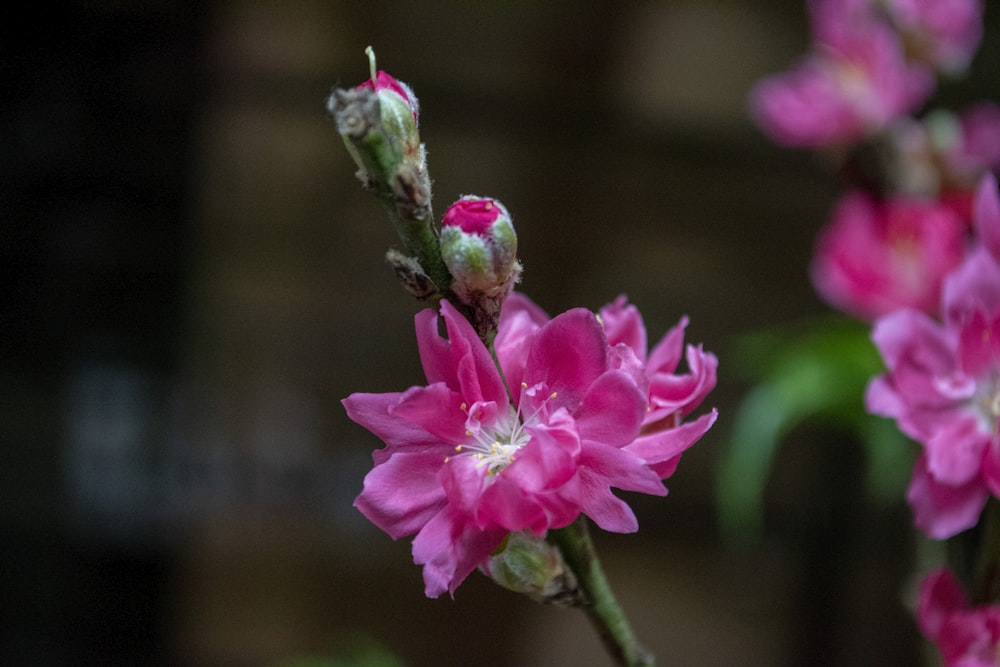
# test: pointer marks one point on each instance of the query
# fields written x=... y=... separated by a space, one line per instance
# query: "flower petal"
x=450 y=548
x=612 y=410
x=402 y=493
x=461 y=361
x=942 y=511
x=623 y=324
x=373 y=411
x=436 y=409
x=567 y=355
x=661 y=449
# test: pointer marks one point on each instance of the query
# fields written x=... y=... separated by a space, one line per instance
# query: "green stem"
x=599 y=601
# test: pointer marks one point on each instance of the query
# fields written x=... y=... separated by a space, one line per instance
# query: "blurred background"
x=193 y=279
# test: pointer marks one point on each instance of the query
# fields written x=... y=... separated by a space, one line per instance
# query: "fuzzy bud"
x=479 y=247
x=531 y=565
x=378 y=121
x=398 y=106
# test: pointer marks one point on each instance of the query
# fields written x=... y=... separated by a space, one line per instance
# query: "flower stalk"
x=598 y=600
x=378 y=123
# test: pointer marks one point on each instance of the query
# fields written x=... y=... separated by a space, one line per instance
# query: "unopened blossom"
x=942 y=386
x=876 y=256
x=394 y=96
x=479 y=247
x=855 y=81
x=465 y=465
x=965 y=635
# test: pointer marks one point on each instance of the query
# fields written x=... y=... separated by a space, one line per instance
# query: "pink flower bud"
x=479 y=246
x=385 y=85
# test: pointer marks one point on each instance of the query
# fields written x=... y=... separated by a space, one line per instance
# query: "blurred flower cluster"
x=912 y=249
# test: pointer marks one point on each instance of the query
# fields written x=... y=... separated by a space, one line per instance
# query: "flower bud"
x=531 y=565
x=479 y=247
x=398 y=109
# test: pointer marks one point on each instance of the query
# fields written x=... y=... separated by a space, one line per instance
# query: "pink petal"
x=520 y=319
x=979 y=344
x=402 y=494
x=436 y=409
x=461 y=361
x=567 y=355
x=666 y=355
x=619 y=468
x=504 y=503
x=987 y=214
x=623 y=324
x=373 y=411
x=450 y=548
x=608 y=511
x=668 y=444
x=975 y=285
x=942 y=511
x=612 y=410
x=955 y=451
x=550 y=457
x=940 y=597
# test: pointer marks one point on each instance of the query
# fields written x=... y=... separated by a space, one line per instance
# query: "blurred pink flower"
x=965 y=636
x=943 y=33
x=942 y=387
x=854 y=82
x=876 y=256
x=976 y=149
x=464 y=465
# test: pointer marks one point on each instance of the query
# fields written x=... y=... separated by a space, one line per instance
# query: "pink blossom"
x=976 y=148
x=854 y=82
x=876 y=256
x=966 y=636
x=464 y=465
x=944 y=33
x=942 y=387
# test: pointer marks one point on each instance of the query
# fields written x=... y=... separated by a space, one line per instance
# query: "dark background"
x=193 y=278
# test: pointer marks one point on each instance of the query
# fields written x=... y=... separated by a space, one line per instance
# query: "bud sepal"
x=528 y=564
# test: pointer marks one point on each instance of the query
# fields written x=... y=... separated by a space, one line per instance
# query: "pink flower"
x=464 y=465
x=976 y=148
x=856 y=80
x=876 y=256
x=944 y=33
x=966 y=636
x=943 y=389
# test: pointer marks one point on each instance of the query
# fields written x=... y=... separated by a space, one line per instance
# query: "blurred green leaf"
x=816 y=370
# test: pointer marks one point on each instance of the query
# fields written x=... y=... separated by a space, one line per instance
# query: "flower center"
x=495 y=446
